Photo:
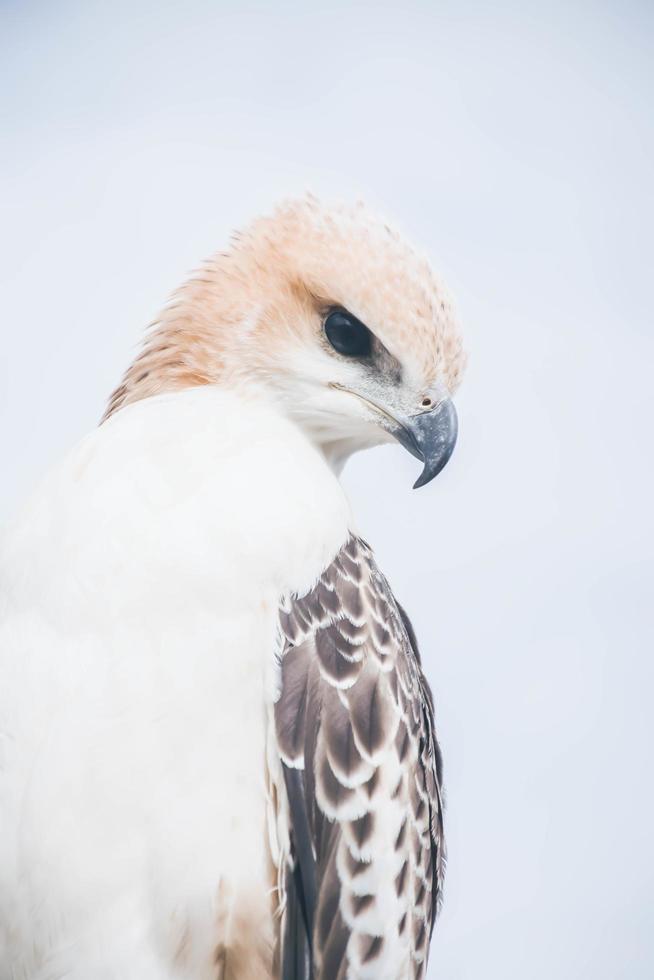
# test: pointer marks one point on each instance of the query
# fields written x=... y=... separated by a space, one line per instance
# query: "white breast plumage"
x=137 y=643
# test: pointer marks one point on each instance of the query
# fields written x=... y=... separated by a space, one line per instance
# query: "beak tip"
x=429 y=472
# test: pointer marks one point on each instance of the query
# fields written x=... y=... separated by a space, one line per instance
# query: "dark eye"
x=347 y=335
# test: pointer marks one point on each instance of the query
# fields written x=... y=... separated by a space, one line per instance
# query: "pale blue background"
x=514 y=142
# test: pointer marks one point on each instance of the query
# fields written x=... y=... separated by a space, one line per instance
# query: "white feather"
x=137 y=636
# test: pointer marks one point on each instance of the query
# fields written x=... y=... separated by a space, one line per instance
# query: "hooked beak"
x=430 y=437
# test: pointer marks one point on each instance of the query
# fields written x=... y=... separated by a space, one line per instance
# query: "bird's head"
x=331 y=316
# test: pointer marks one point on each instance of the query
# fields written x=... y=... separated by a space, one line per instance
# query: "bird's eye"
x=346 y=334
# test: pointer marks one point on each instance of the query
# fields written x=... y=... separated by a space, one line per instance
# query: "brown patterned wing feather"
x=355 y=731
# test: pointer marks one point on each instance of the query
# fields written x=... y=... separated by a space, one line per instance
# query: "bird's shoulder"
x=200 y=482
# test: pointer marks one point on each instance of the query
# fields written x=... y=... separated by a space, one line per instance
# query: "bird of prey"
x=218 y=758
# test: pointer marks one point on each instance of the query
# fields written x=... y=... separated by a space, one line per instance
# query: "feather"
x=355 y=719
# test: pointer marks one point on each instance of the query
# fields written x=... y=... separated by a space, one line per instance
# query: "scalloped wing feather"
x=355 y=720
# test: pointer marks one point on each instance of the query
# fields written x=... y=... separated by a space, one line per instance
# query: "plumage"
x=395 y=831
x=217 y=749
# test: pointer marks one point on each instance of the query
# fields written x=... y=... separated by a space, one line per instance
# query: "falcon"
x=218 y=758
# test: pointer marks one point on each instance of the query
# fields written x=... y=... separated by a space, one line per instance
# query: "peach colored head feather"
x=233 y=318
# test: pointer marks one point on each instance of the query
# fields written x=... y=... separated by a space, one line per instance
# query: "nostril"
x=427 y=402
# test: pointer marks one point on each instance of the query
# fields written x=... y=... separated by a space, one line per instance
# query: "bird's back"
x=140 y=591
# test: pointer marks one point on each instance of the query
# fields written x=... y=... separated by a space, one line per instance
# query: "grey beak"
x=430 y=437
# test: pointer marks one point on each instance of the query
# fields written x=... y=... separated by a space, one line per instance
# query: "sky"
x=514 y=143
